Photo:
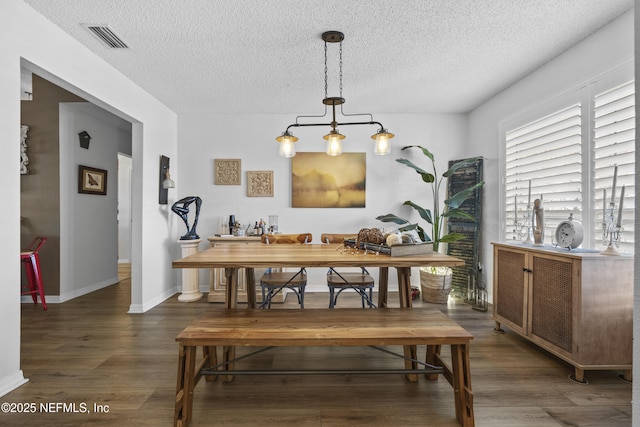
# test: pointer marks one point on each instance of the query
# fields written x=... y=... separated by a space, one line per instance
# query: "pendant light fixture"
x=334 y=138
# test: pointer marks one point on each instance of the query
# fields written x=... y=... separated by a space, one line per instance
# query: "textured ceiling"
x=266 y=56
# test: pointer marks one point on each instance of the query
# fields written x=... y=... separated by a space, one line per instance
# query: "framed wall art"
x=321 y=181
x=260 y=183
x=92 y=180
x=24 y=159
x=226 y=171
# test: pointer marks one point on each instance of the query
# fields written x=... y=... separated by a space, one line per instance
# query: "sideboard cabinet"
x=578 y=305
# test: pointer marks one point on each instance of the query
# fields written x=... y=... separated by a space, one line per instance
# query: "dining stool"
x=362 y=283
x=337 y=282
x=31 y=260
x=273 y=282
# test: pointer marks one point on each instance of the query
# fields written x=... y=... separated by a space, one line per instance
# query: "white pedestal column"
x=190 y=276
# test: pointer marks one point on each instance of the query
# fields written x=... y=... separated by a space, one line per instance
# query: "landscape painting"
x=322 y=181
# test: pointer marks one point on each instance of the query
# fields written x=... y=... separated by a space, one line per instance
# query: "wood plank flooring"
x=88 y=351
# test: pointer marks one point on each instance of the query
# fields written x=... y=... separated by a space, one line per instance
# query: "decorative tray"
x=402 y=249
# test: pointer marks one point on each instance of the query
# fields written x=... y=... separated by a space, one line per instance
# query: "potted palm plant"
x=437 y=215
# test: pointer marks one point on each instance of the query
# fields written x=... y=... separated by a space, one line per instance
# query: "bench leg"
x=463 y=395
x=211 y=356
x=433 y=352
x=185 y=385
x=228 y=354
x=411 y=354
x=178 y=417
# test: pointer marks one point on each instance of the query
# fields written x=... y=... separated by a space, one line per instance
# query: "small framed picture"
x=260 y=183
x=92 y=180
x=227 y=171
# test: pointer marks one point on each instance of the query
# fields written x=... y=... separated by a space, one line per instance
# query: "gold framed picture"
x=92 y=180
x=321 y=181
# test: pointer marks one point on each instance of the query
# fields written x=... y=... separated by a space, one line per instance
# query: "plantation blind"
x=614 y=145
x=545 y=154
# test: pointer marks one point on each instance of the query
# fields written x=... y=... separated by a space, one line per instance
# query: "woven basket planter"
x=435 y=286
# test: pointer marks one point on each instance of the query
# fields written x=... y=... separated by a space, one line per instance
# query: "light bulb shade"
x=168 y=182
x=382 y=146
x=334 y=143
x=287 y=144
x=287 y=149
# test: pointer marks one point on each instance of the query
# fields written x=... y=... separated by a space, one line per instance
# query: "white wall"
x=203 y=138
x=10 y=374
x=606 y=50
x=88 y=222
x=56 y=56
x=124 y=208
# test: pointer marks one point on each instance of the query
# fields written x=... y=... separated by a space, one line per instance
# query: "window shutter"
x=548 y=153
x=614 y=144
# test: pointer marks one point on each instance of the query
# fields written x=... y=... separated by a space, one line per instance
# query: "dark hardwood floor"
x=88 y=351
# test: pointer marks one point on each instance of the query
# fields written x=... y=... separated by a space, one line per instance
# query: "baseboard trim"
x=12 y=382
x=57 y=299
x=148 y=305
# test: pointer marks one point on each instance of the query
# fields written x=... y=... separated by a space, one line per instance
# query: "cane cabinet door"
x=551 y=301
x=510 y=288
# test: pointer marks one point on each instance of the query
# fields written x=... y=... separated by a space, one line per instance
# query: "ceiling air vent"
x=107 y=36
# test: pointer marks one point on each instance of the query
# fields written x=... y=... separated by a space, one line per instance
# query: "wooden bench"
x=324 y=327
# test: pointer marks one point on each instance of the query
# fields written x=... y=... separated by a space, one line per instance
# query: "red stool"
x=31 y=259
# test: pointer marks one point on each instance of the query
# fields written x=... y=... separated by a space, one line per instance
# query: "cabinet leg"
x=626 y=375
x=578 y=376
x=498 y=328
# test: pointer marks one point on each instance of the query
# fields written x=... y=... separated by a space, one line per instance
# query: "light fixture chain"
x=326 y=84
x=340 y=69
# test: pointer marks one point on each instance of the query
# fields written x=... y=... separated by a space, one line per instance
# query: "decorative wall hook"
x=85 y=138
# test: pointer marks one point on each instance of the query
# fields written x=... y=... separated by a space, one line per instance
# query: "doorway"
x=73 y=263
x=124 y=209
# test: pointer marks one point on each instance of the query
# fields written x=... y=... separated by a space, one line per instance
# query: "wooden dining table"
x=234 y=257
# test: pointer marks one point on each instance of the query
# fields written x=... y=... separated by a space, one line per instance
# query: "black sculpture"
x=183 y=211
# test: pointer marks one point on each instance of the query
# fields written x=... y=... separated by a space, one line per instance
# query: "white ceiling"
x=266 y=56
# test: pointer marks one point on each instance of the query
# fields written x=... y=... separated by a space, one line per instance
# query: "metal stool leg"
x=301 y=290
x=38 y=280
x=332 y=296
x=31 y=280
x=34 y=278
x=31 y=259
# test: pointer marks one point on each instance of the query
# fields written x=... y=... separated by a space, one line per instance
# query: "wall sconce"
x=165 y=180
x=85 y=138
